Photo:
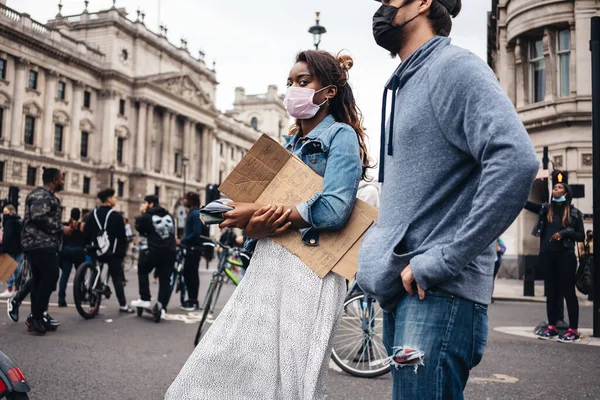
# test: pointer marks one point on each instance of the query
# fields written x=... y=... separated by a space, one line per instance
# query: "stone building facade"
x=539 y=50
x=105 y=99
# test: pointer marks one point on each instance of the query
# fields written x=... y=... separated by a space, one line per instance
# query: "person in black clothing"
x=559 y=227
x=41 y=240
x=106 y=216
x=11 y=245
x=193 y=250
x=158 y=250
x=73 y=254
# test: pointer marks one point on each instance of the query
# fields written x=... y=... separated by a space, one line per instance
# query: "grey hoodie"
x=459 y=167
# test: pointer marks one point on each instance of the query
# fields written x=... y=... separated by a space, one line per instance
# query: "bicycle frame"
x=218 y=278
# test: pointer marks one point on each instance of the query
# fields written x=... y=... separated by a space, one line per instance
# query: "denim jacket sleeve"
x=331 y=208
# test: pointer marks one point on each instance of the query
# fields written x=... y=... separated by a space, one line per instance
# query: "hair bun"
x=346 y=61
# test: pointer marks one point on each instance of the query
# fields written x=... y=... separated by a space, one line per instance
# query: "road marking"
x=334 y=366
x=496 y=378
x=189 y=318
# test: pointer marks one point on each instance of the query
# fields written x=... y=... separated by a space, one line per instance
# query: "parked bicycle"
x=89 y=287
x=358 y=344
x=230 y=256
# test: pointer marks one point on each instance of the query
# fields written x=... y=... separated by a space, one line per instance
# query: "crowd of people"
x=46 y=248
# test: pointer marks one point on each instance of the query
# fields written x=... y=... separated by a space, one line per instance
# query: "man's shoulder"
x=455 y=62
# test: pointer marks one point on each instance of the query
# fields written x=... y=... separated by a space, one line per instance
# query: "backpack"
x=102 y=239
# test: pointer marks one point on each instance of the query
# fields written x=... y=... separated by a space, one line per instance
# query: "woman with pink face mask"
x=273 y=338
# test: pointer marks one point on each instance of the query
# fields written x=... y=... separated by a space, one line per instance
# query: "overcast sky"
x=254 y=42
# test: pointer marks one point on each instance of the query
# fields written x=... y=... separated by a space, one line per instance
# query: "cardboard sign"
x=269 y=174
x=8 y=266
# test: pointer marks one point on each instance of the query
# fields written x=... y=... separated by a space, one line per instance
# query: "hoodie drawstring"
x=390 y=143
x=382 y=146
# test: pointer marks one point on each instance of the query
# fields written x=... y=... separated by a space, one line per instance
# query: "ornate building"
x=539 y=50
x=105 y=99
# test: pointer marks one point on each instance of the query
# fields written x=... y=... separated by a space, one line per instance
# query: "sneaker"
x=126 y=310
x=7 y=294
x=13 y=309
x=569 y=337
x=189 y=305
x=35 y=325
x=139 y=303
x=549 y=333
x=50 y=323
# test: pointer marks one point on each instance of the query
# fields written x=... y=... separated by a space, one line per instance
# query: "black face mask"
x=387 y=35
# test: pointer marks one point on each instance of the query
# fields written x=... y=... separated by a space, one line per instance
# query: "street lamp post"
x=317 y=30
x=184 y=162
x=111 y=169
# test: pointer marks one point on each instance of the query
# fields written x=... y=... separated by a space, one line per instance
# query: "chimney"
x=240 y=95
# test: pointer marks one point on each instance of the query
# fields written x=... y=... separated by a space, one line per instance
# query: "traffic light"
x=560 y=177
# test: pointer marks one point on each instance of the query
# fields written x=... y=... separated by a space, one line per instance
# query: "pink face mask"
x=299 y=102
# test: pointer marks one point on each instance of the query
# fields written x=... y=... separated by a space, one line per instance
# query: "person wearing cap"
x=559 y=227
x=158 y=251
x=452 y=138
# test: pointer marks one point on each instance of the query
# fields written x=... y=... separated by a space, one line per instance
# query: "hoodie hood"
x=406 y=70
x=158 y=210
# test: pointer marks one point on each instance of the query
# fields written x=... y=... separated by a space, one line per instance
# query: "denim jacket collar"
x=322 y=126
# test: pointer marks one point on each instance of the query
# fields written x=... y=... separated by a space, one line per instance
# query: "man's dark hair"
x=441 y=15
x=105 y=194
x=152 y=199
x=193 y=199
x=75 y=214
x=49 y=175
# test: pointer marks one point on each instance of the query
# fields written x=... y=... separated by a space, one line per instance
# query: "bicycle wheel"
x=87 y=301
x=208 y=303
x=355 y=351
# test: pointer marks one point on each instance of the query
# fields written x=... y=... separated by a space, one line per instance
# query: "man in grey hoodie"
x=457 y=166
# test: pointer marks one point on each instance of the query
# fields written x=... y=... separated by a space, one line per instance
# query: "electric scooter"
x=13 y=384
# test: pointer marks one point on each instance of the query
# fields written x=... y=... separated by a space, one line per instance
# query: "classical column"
x=77 y=100
x=193 y=152
x=108 y=127
x=141 y=136
x=47 y=131
x=204 y=156
x=172 y=133
x=165 y=139
x=16 y=133
x=150 y=136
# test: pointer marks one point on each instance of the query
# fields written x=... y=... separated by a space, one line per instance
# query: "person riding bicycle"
x=193 y=251
x=158 y=250
x=106 y=220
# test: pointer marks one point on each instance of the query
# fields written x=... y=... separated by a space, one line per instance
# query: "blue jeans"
x=15 y=278
x=434 y=344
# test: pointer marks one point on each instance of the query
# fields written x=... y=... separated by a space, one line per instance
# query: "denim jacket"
x=332 y=150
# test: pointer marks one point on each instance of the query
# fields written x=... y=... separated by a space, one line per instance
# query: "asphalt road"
x=126 y=357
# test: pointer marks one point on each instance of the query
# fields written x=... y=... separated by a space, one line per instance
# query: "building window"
x=120 y=145
x=537 y=64
x=86 y=184
x=176 y=166
x=220 y=177
x=58 y=138
x=2 y=68
x=157 y=190
x=564 y=62
x=29 y=130
x=221 y=149
x=122 y=107
x=87 y=99
x=85 y=136
x=254 y=122
x=61 y=90
x=33 y=80
x=31 y=176
x=232 y=153
x=1 y=171
x=1 y=122
x=120 y=188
